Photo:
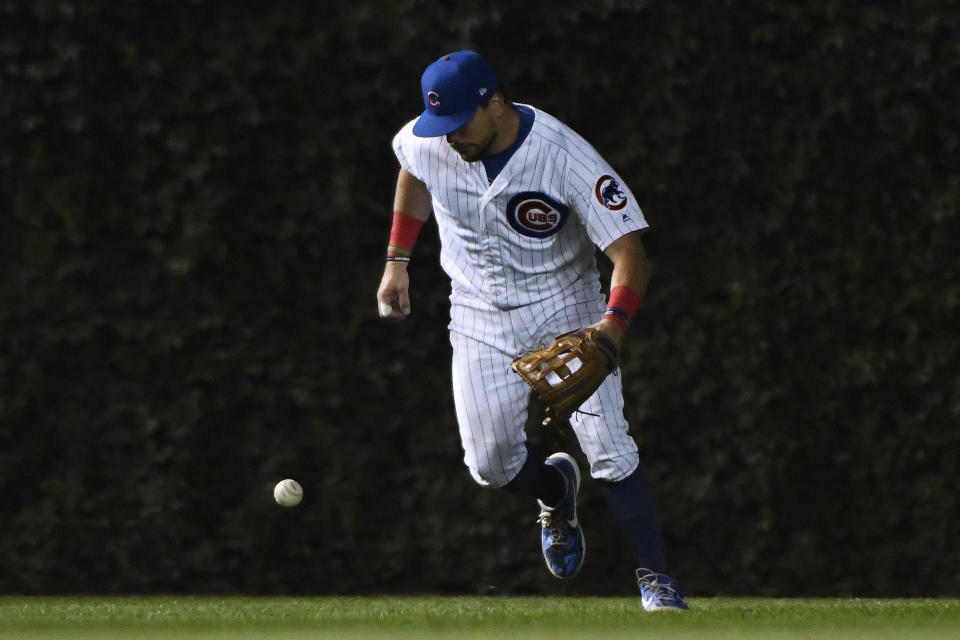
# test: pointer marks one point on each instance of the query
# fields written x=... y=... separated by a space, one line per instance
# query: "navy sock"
x=632 y=505
x=537 y=479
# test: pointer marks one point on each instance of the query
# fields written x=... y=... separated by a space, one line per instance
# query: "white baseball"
x=385 y=309
x=288 y=493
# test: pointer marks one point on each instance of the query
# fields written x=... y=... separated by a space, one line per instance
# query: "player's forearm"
x=631 y=267
x=412 y=197
x=632 y=274
x=628 y=283
x=411 y=208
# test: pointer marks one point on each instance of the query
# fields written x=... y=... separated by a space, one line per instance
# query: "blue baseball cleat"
x=561 y=537
x=660 y=592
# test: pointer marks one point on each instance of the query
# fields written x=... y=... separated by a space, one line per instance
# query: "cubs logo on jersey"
x=609 y=193
x=536 y=215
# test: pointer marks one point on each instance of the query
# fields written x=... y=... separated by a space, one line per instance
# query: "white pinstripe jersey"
x=530 y=234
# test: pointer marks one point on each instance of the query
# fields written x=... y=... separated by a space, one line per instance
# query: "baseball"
x=385 y=309
x=288 y=493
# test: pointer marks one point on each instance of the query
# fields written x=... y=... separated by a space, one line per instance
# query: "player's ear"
x=498 y=102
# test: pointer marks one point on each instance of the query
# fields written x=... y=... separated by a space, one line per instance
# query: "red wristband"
x=403 y=235
x=622 y=306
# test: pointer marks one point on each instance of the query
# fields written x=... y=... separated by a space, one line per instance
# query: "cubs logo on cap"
x=536 y=215
x=453 y=87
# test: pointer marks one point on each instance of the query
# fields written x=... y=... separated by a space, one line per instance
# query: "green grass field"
x=470 y=617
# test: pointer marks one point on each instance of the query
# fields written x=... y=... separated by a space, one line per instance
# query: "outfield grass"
x=497 y=618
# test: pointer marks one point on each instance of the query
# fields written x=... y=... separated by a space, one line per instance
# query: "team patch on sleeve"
x=535 y=214
x=609 y=193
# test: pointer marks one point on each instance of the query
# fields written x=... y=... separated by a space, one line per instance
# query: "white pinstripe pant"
x=491 y=401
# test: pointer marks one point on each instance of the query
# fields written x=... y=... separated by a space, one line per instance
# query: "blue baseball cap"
x=453 y=87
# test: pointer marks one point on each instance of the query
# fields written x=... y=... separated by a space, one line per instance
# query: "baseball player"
x=522 y=202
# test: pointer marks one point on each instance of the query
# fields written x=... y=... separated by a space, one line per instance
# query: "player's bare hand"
x=393 y=295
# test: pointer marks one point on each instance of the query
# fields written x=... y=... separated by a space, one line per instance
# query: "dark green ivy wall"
x=194 y=204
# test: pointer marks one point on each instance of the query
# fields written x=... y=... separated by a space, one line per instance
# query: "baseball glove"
x=567 y=372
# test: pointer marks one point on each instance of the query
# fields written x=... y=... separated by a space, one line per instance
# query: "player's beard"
x=472 y=152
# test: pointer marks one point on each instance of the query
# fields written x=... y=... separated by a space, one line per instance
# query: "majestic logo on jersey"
x=609 y=193
x=536 y=215
x=433 y=99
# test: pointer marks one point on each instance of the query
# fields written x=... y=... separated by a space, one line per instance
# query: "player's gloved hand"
x=570 y=370
x=393 y=295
